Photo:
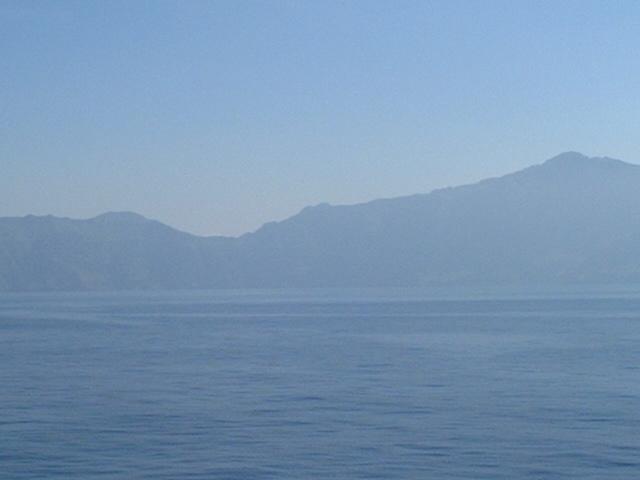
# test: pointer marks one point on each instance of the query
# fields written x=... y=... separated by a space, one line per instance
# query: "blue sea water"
x=369 y=384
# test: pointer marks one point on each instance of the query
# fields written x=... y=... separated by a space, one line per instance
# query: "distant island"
x=570 y=219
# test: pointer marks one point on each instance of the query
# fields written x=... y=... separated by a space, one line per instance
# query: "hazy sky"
x=217 y=116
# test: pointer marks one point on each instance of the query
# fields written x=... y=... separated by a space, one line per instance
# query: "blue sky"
x=216 y=117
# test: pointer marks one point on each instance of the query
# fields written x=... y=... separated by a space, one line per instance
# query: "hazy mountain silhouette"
x=570 y=219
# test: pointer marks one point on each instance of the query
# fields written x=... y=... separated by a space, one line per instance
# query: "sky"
x=218 y=116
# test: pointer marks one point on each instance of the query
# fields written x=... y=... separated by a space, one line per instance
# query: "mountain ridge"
x=571 y=158
x=569 y=219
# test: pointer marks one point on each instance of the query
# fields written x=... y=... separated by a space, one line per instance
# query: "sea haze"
x=394 y=384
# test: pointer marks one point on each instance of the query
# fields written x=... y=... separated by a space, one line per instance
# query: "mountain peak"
x=120 y=217
x=567 y=158
x=572 y=160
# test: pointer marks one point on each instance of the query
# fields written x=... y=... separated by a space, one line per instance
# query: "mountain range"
x=570 y=219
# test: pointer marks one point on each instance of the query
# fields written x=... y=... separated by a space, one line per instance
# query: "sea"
x=322 y=384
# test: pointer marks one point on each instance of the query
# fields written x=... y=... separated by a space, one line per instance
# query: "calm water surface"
x=320 y=385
